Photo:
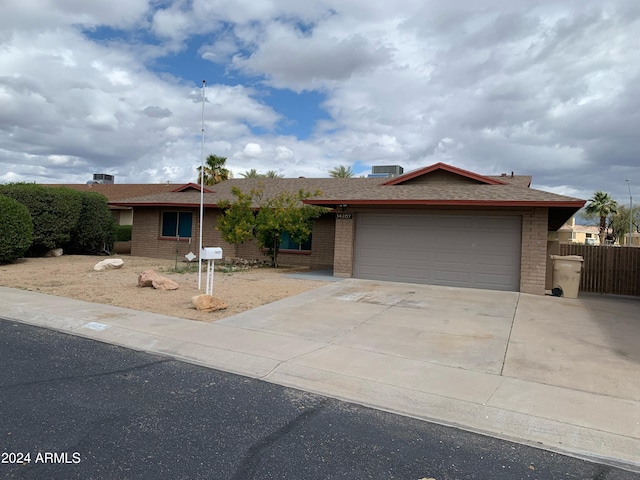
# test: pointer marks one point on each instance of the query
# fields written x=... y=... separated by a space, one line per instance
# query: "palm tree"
x=273 y=174
x=253 y=173
x=214 y=170
x=341 y=172
x=602 y=205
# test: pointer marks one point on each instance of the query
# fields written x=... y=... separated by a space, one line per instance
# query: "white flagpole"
x=204 y=85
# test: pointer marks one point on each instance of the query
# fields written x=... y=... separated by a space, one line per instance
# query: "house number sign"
x=344 y=216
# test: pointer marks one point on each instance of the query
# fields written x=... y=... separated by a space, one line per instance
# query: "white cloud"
x=291 y=59
x=252 y=150
x=100 y=106
x=549 y=89
x=36 y=15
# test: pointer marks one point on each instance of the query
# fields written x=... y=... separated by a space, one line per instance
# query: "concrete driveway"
x=547 y=371
x=590 y=344
x=460 y=328
x=552 y=371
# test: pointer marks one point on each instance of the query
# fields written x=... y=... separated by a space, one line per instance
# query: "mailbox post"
x=210 y=254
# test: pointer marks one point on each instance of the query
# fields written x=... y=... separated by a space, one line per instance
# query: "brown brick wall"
x=344 y=249
x=321 y=256
x=146 y=240
x=533 y=262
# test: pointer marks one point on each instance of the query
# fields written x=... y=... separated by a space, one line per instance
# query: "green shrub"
x=123 y=233
x=54 y=212
x=93 y=234
x=16 y=229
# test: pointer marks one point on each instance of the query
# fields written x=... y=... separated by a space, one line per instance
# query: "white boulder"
x=108 y=264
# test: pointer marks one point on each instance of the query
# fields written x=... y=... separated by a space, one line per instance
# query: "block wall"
x=533 y=261
x=344 y=251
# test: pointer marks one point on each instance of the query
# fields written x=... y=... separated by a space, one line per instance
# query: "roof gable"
x=192 y=186
x=441 y=173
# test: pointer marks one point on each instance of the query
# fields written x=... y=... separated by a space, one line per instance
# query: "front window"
x=287 y=243
x=176 y=224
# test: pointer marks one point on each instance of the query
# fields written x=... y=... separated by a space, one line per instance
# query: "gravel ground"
x=73 y=276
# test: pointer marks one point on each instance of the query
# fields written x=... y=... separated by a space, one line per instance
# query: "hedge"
x=93 y=234
x=55 y=212
x=16 y=230
x=123 y=233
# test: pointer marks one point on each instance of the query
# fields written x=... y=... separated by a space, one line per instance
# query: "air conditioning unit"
x=103 y=178
x=390 y=170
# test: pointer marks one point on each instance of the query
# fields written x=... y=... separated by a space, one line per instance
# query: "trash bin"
x=566 y=275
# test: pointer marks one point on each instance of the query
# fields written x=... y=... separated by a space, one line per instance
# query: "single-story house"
x=437 y=225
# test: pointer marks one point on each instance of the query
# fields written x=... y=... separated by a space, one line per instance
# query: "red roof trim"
x=492 y=203
x=443 y=166
x=164 y=204
x=195 y=186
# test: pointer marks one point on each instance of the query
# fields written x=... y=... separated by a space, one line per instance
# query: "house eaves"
x=460 y=203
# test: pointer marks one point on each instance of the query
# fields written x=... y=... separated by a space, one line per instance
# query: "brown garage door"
x=460 y=251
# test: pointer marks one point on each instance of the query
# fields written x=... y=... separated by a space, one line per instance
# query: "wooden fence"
x=614 y=270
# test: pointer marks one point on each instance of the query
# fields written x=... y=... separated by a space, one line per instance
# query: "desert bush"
x=123 y=233
x=54 y=212
x=16 y=229
x=93 y=233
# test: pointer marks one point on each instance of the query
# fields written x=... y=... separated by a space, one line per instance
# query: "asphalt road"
x=83 y=409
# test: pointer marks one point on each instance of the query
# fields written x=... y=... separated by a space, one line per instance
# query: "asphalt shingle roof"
x=367 y=191
x=119 y=191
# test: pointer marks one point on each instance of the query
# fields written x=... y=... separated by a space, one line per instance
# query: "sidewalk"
x=325 y=358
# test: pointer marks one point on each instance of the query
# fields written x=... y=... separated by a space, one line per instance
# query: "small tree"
x=16 y=229
x=341 y=172
x=619 y=223
x=601 y=205
x=266 y=219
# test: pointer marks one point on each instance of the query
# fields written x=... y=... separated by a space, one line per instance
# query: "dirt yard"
x=73 y=276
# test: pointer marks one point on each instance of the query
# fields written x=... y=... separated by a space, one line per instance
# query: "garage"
x=452 y=250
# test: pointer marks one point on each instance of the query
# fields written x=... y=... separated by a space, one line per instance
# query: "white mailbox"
x=211 y=253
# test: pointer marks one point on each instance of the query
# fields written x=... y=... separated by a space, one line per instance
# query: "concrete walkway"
x=556 y=373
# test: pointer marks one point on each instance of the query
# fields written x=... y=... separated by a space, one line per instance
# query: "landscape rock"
x=149 y=278
x=56 y=252
x=145 y=279
x=244 y=262
x=108 y=264
x=207 y=303
x=164 y=283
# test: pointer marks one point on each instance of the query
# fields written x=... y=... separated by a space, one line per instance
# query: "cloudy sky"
x=547 y=88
